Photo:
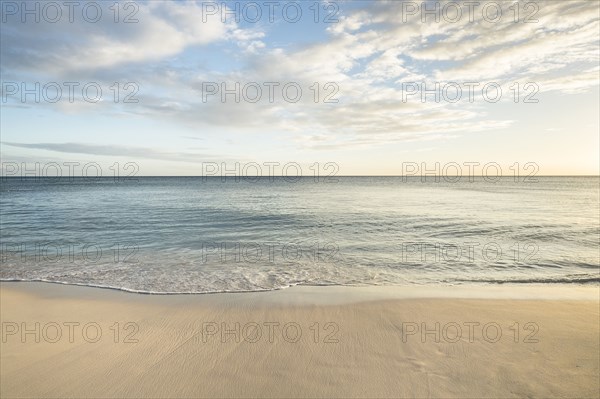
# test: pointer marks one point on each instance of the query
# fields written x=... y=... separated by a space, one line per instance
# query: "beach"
x=451 y=342
x=300 y=199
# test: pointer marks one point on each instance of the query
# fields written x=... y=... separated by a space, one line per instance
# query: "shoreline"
x=337 y=293
x=73 y=341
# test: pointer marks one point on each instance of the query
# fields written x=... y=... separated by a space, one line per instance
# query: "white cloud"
x=369 y=53
x=165 y=29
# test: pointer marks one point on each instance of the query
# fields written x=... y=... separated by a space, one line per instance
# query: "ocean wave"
x=557 y=280
x=538 y=280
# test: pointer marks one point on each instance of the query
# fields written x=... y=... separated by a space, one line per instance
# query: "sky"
x=369 y=87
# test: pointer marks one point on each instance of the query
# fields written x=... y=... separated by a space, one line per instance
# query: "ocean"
x=167 y=235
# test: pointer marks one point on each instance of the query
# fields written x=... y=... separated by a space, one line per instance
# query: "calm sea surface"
x=197 y=235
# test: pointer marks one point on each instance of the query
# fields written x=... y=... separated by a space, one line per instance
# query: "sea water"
x=201 y=235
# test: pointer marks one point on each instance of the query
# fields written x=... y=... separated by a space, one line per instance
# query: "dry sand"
x=300 y=342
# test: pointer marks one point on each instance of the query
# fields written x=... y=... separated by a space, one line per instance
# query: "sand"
x=300 y=342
